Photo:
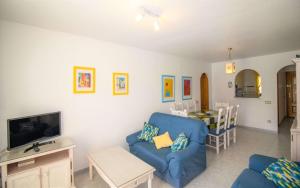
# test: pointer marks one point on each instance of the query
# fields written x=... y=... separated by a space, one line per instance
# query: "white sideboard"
x=295 y=142
x=52 y=168
x=295 y=130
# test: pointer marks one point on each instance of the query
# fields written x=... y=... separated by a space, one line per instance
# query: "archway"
x=204 y=91
x=286 y=93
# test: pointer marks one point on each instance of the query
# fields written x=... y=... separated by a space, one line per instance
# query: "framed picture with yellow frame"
x=120 y=83
x=84 y=80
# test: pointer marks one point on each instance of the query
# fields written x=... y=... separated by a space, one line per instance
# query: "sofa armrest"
x=188 y=152
x=132 y=139
x=260 y=162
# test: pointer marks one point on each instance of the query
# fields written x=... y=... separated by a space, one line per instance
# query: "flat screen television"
x=26 y=130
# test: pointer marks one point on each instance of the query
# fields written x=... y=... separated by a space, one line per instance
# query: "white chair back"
x=222 y=119
x=219 y=105
x=183 y=113
x=233 y=116
x=191 y=106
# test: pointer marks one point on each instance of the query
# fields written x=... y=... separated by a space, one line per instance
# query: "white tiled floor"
x=224 y=168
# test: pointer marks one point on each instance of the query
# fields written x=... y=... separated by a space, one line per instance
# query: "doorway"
x=286 y=93
x=204 y=91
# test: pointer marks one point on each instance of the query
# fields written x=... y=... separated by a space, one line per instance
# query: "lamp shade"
x=230 y=68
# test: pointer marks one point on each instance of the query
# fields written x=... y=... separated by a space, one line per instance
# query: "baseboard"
x=257 y=129
x=83 y=170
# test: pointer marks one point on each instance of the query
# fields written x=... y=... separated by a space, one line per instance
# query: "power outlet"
x=269 y=121
x=268 y=102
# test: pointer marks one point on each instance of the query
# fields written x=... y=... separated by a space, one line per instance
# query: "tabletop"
x=209 y=117
x=119 y=165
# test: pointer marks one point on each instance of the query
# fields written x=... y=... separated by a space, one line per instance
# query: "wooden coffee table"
x=119 y=168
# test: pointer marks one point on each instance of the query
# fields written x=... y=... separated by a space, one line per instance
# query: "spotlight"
x=139 y=17
x=156 y=25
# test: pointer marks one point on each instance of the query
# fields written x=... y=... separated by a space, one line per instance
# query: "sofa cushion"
x=162 y=141
x=148 y=132
x=148 y=153
x=252 y=179
x=260 y=162
x=214 y=132
x=180 y=143
x=283 y=173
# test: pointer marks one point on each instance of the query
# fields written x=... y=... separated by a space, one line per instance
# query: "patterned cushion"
x=284 y=174
x=214 y=132
x=214 y=125
x=148 y=132
x=180 y=143
x=232 y=121
x=231 y=126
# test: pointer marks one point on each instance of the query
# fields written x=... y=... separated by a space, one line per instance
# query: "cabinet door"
x=57 y=175
x=29 y=178
x=295 y=145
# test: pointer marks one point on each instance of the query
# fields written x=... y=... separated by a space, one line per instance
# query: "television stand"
x=52 y=167
x=35 y=146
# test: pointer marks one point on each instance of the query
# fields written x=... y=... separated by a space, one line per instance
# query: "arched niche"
x=248 y=84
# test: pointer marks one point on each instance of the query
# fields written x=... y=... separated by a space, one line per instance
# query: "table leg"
x=150 y=182
x=90 y=170
x=4 y=175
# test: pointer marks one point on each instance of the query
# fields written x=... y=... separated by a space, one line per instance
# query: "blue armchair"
x=252 y=176
x=177 y=168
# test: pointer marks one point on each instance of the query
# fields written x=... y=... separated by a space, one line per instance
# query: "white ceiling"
x=201 y=29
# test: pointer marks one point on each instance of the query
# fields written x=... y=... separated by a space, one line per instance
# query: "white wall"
x=36 y=77
x=253 y=111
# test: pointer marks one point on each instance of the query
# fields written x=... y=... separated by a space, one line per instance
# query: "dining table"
x=210 y=117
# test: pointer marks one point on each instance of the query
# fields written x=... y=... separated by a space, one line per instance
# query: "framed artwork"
x=84 y=80
x=168 y=88
x=120 y=83
x=186 y=88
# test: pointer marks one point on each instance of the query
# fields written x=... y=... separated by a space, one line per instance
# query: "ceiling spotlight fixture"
x=139 y=17
x=152 y=12
x=156 y=25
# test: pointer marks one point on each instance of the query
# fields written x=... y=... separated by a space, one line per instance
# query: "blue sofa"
x=177 y=168
x=252 y=177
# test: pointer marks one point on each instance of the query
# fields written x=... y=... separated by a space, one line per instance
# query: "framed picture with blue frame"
x=186 y=88
x=168 y=88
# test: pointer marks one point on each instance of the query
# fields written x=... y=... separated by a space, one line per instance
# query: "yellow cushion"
x=162 y=141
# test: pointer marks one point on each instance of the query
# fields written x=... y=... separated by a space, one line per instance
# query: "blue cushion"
x=152 y=156
x=260 y=162
x=252 y=179
x=214 y=132
x=231 y=126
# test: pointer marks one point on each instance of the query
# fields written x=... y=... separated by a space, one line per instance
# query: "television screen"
x=26 y=130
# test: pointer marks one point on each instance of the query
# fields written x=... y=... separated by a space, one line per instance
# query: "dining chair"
x=221 y=105
x=218 y=134
x=232 y=124
x=191 y=106
x=196 y=106
x=182 y=113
